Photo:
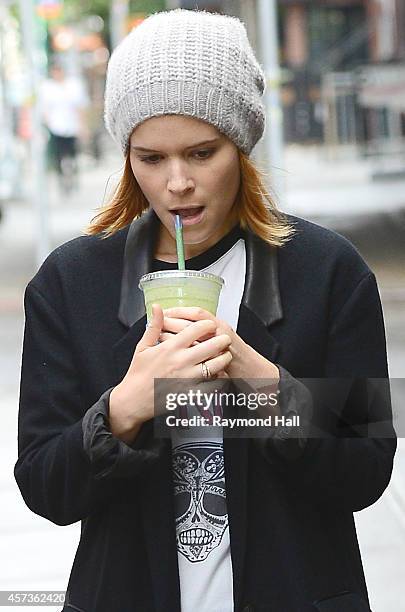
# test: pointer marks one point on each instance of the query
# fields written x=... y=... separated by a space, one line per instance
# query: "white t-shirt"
x=61 y=103
x=203 y=544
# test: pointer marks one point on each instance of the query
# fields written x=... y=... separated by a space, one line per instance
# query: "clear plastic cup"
x=171 y=288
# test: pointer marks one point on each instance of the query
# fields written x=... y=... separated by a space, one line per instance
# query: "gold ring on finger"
x=205 y=370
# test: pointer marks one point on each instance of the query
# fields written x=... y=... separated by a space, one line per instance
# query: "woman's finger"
x=175 y=325
x=190 y=313
x=164 y=336
x=215 y=365
x=168 y=336
x=153 y=330
x=209 y=348
x=222 y=374
x=193 y=332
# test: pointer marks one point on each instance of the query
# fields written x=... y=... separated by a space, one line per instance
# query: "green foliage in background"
x=147 y=6
x=74 y=9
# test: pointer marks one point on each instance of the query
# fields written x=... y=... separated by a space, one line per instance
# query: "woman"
x=230 y=523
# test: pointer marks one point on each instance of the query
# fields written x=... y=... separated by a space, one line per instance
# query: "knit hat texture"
x=185 y=62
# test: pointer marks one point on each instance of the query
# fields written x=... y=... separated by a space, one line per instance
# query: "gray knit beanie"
x=191 y=63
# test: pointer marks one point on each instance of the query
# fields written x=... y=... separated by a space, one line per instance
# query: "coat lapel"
x=259 y=310
x=138 y=257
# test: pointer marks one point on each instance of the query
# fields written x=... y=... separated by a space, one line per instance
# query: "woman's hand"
x=246 y=362
x=179 y=356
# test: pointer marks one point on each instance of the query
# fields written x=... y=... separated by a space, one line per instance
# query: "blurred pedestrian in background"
x=63 y=102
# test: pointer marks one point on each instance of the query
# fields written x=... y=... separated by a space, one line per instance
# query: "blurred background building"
x=342 y=69
x=345 y=72
x=342 y=64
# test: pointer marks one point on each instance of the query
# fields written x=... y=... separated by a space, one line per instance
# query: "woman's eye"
x=204 y=153
x=201 y=154
x=151 y=159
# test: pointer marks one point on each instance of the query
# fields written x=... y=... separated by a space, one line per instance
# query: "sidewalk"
x=37 y=554
x=318 y=186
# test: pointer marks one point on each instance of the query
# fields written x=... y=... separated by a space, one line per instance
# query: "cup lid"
x=180 y=274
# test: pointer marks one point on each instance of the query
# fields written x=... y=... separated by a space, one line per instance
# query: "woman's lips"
x=190 y=216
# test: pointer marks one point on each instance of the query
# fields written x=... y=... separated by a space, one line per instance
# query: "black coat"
x=313 y=308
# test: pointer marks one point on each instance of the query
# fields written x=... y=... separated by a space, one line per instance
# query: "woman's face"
x=186 y=166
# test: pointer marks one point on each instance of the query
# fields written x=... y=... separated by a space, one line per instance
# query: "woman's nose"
x=179 y=182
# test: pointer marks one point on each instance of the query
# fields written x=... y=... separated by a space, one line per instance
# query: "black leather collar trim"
x=262 y=291
x=261 y=294
x=138 y=257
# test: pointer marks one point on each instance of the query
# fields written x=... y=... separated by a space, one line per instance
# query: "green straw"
x=179 y=242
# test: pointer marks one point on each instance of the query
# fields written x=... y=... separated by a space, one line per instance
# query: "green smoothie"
x=171 y=288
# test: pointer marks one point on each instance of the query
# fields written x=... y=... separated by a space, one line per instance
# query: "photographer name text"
x=232 y=423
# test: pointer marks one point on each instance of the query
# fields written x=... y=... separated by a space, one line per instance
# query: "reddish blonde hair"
x=254 y=207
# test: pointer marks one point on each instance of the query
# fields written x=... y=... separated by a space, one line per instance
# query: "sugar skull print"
x=199 y=498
